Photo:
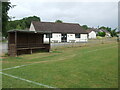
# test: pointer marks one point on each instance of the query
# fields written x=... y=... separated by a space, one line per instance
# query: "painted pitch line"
x=35 y=63
x=16 y=67
x=29 y=81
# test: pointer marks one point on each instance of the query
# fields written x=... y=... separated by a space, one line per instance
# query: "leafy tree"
x=18 y=27
x=22 y=23
x=112 y=32
x=28 y=20
x=85 y=27
x=106 y=28
x=59 y=21
x=102 y=27
x=102 y=34
x=5 y=8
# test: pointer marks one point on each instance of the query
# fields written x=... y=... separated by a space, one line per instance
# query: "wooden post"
x=49 y=41
x=8 y=43
x=16 y=42
x=30 y=51
x=15 y=38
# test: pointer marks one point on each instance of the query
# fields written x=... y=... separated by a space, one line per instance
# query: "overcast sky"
x=92 y=13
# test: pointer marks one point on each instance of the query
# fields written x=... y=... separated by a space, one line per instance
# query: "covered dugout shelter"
x=26 y=42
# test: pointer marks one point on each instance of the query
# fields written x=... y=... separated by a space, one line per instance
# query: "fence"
x=55 y=45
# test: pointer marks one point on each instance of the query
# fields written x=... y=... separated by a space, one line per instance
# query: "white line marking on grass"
x=16 y=67
x=36 y=83
x=54 y=60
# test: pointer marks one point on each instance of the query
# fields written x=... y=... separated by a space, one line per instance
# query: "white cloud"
x=89 y=13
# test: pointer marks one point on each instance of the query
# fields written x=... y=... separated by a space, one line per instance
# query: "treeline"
x=22 y=23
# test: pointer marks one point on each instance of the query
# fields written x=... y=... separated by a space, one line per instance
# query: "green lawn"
x=76 y=67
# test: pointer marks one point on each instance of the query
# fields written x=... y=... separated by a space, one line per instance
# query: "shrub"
x=102 y=34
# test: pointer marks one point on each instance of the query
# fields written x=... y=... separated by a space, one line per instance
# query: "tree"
x=106 y=28
x=5 y=8
x=28 y=20
x=58 y=21
x=22 y=23
x=18 y=27
x=113 y=32
x=102 y=34
x=85 y=27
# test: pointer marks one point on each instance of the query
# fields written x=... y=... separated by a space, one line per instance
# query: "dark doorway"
x=64 y=38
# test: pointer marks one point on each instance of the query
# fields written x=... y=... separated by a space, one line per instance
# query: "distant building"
x=92 y=31
x=91 y=34
x=106 y=32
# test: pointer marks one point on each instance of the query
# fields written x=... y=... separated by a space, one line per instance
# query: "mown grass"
x=66 y=68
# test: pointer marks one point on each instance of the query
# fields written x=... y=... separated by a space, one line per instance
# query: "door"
x=64 y=38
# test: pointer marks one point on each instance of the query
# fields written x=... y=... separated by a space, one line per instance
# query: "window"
x=49 y=35
x=77 y=35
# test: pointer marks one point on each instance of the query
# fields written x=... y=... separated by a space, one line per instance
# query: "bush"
x=102 y=34
x=99 y=37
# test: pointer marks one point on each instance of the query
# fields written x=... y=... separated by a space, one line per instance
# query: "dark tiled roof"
x=104 y=30
x=92 y=29
x=97 y=30
x=118 y=31
x=26 y=31
x=58 y=27
x=88 y=31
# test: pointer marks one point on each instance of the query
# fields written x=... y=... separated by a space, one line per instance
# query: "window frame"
x=48 y=35
x=76 y=35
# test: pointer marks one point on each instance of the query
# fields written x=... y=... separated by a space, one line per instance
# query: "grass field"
x=76 y=67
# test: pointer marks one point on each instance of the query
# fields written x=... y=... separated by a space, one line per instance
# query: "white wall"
x=56 y=37
x=32 y=27
x=107 y=35
x=70 y=37
x=92 y=34
x=46 y=40
x=83 y=38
